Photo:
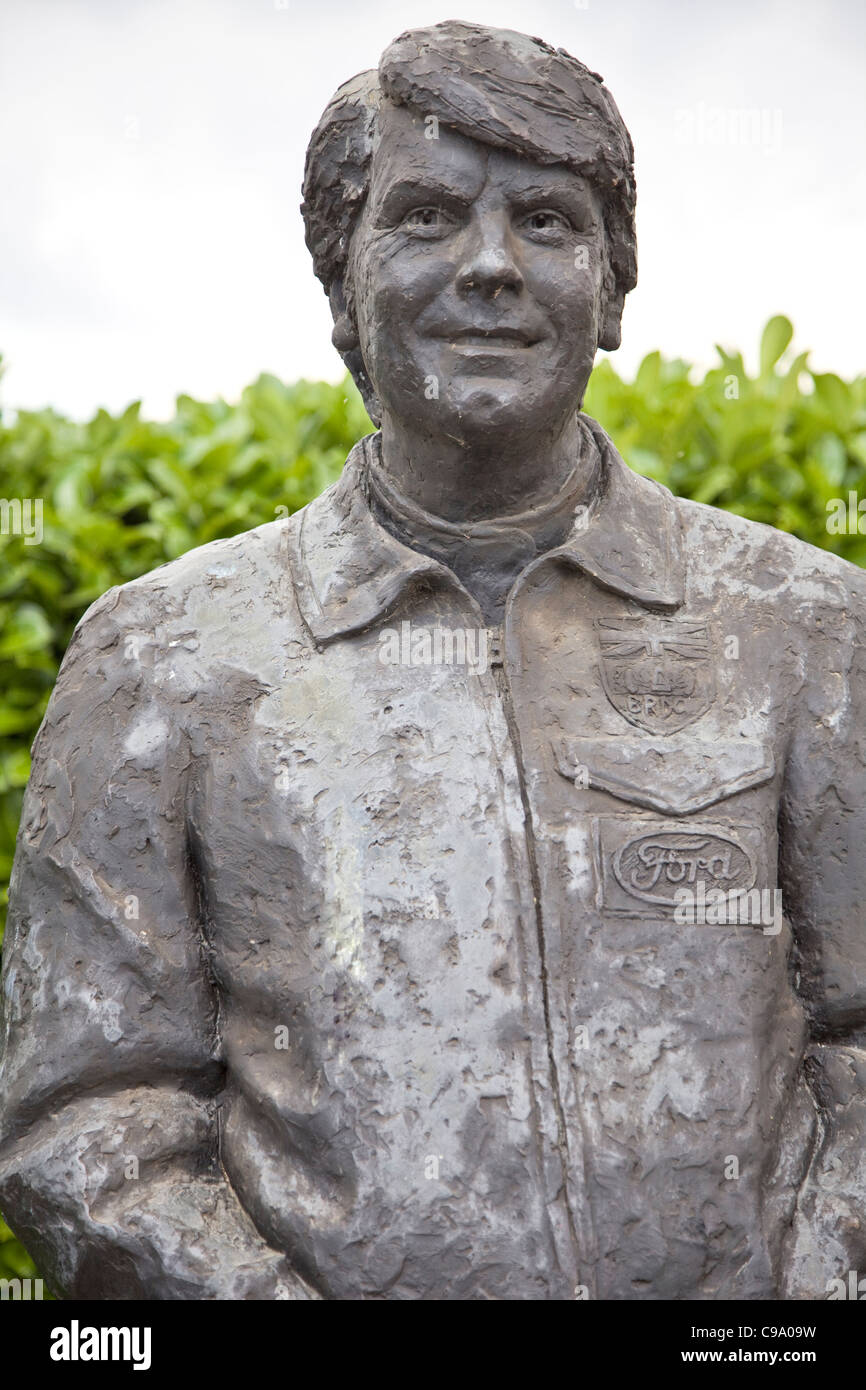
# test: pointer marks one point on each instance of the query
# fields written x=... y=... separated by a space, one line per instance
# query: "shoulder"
x=216 y=587
x=220 y=616
x=765 y=564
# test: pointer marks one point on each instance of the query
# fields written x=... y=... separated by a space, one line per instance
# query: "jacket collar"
x=349 y=571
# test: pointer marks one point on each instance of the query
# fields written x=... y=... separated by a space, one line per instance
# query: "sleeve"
x=110 y=1072
x=823 y=879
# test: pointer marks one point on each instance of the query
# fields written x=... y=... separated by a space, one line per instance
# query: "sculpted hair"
x=492 y=85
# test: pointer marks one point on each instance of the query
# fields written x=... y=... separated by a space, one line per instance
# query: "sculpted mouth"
x=491 y=338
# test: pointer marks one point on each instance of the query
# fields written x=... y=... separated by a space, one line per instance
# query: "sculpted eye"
x=546 y=222
x=426 y=219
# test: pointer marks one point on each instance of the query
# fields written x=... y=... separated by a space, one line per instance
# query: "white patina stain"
x=147 y=736
x=107 y=1012
x=578 y=858
x=346 y=940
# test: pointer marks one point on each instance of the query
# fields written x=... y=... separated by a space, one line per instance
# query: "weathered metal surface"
x=345 y=955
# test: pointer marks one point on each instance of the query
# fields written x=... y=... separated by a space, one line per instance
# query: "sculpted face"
x=478 y=285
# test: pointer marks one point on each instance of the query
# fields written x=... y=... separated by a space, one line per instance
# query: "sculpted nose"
x=490 y=264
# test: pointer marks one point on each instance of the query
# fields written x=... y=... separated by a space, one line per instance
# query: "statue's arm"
x=109 y=1059
x=823 y=880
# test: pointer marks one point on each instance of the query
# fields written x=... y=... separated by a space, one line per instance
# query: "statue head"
x=469 y=206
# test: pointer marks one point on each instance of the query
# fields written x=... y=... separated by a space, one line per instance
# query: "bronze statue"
x=396 y=911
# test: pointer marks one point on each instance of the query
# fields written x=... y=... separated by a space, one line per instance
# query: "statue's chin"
x=507 y=412
x=488 y=407
x=483 y=410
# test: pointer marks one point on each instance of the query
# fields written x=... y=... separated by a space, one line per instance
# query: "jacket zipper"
x=582 y=1248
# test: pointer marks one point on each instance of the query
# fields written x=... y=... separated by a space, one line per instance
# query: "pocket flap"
x=673 y=775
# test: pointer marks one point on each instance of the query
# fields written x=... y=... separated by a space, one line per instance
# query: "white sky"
x=151 y=154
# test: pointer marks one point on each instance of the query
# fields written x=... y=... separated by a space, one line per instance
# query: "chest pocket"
x=677 y=775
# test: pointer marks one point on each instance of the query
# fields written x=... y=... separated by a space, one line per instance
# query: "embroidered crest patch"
x=657 y=672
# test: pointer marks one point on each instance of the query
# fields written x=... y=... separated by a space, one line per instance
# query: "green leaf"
x=27 y=631
x=776 y=336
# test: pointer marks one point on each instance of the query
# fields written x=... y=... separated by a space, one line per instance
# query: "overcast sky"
x=151 y=154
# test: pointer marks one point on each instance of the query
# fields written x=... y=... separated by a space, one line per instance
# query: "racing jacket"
x=347 y=955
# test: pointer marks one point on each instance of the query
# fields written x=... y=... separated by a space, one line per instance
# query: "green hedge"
x=122 y=495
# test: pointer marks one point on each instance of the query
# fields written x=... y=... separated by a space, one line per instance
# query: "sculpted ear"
x=610 y=315
x=345 y=334
x=346 y=341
